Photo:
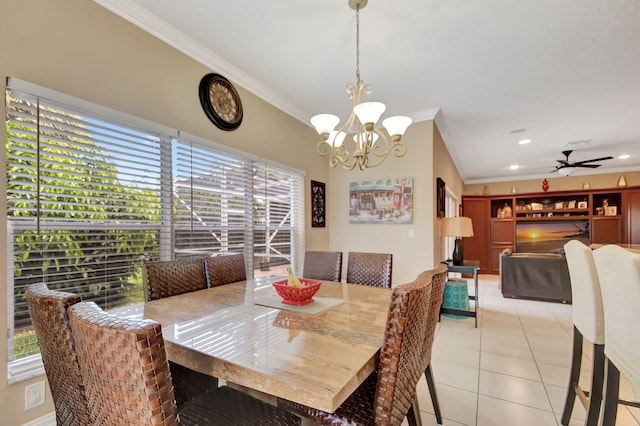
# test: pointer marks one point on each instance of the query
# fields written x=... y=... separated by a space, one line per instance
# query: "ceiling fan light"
x=396 y=125
x=324 y=123
x=566 y=171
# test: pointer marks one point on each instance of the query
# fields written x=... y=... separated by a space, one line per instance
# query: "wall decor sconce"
x=622 y=181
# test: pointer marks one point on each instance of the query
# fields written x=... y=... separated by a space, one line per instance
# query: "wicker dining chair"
x=226 y=269
x=439 y=279
x=323 y=265
x=126 y=374
x=388 y=395
x=372 y=269
x=169 y=278
x=48 y=310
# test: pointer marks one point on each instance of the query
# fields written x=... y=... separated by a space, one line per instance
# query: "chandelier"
x=361 y=124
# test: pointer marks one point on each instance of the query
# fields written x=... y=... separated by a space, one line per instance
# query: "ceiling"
x=565 y=74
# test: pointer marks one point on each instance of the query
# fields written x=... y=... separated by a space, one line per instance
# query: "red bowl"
x=297 y=296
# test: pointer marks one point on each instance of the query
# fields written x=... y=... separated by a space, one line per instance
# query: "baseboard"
x=47 y=420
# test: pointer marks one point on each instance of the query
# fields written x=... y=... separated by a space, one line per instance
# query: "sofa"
x=543 y=276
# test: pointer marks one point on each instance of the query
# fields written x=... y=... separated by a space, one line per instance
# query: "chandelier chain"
x=358 y=45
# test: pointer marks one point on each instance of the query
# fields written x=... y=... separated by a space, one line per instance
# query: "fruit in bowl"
x=297 y=291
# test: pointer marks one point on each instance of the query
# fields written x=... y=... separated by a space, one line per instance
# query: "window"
x=91 y=198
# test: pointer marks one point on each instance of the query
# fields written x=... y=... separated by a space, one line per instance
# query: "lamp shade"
x=369 y=112
x=325 y=123
x=457 y=227
x=396 y=125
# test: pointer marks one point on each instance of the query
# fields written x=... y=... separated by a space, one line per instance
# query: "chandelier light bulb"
x=336 y=138
x=324 y=123
x=369 y=112
x=396 y=126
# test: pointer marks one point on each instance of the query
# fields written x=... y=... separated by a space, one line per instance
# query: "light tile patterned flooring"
x=512 y=370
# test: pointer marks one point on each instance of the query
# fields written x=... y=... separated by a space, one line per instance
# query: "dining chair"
x=323 y=265
x=127 y=379
x=388 y=395
x=588 y=323
x=439 y=279
x=225 y=269
x=169 y=278
x=48 y=310
x=619 y=275
x=372 y=269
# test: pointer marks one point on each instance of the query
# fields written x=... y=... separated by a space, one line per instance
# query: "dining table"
x=316 y=354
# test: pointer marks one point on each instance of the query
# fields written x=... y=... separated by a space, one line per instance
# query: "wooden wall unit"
x=613 y=215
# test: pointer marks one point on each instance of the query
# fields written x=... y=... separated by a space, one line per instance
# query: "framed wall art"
x=387 y=201
x=440 y=197
x=318 y=200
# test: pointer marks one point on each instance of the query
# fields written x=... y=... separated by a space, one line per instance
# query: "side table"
x=469 y=267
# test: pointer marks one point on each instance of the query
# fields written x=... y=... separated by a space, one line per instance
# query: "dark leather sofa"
x=543 y=276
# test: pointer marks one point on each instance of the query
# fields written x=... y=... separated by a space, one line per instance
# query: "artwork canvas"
x=318 y=200
x=387 y=201
x=440 y=195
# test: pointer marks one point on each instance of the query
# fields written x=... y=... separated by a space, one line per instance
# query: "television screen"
x=550 y=237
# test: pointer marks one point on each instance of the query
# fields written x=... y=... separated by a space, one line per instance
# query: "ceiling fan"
x=566 y=164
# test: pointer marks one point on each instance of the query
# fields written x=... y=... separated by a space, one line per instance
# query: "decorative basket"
x=297 y=296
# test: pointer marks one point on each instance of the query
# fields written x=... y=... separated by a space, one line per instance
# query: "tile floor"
x=512 y=370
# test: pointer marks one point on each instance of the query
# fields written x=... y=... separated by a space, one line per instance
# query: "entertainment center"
x=542 y=222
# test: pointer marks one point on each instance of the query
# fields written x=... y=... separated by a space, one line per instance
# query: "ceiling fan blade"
x=577 y=163
x=563 y=162
x=590 y=166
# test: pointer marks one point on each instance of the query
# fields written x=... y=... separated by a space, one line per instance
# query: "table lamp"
x=457 y=227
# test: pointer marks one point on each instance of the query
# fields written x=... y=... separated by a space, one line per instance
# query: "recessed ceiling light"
x=514 y=167
x=623 y=156
x=524 y=141
x=580 y=142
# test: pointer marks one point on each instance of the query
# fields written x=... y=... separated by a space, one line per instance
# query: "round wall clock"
x=220 y=101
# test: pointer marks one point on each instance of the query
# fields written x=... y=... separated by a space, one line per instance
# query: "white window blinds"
x=91 y=197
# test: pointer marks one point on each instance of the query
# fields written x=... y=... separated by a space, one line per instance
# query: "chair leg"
x=611 y=394
x=432 y=391
x=576 y=362
x=597 y=385
x=413 y=416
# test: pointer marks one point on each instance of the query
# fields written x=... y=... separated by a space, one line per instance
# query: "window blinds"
x=90 y=199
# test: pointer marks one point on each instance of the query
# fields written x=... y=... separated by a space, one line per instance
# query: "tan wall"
x=444 y=168
x=410 y=255
x=79 y=48
x=556 y=183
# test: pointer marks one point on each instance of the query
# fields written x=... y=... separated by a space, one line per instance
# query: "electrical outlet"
x=33 y=395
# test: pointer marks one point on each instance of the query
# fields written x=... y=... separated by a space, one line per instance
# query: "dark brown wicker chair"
x=126 y=374
x=164 y=279
x=388 y=395
x=323 y=265
x=370 y=269
x=227 y=269
x=439 y=274
x=48 y=309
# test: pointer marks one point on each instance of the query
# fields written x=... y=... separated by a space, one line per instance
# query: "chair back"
x=164 y=279
x=124 y=367
x=372 y=269
x=588 y=314
x=401 y=362
x=227 y=269
x=619 y=275
x=48 y=309
x=323 y=265
x=439 y=279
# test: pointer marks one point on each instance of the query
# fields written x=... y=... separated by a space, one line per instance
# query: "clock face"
x=220 y=102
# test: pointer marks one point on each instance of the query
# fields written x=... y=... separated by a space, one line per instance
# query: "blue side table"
x=470 y=267
x=455 y=298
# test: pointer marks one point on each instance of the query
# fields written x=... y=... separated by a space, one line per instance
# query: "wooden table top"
x=317 y=360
